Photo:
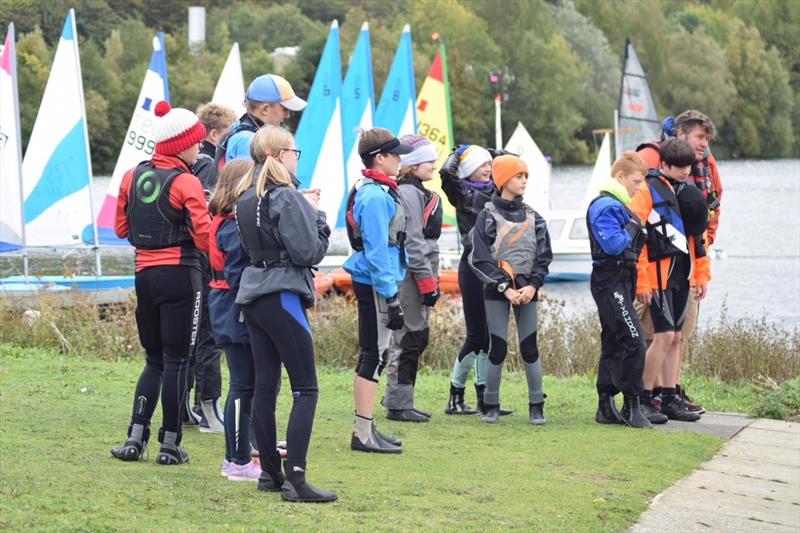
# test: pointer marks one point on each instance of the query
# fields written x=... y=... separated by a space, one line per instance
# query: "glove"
x=430 y=299
x=396 y=317
x=449 y=169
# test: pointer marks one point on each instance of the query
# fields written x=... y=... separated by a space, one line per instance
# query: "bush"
x=779 y=402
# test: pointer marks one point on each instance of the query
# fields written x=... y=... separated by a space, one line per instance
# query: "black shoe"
x=536 y=414
x=373 y=446
x=134 y=448
x=456 y=405
x=653 y=415
x=607 y=411
x=171 y=453
x=384 y=438
x=492 y=414
x=295 y=488
x=632 y=414
x=406 y=415
x=688 y=403
x=675 y=410
x=423 y=413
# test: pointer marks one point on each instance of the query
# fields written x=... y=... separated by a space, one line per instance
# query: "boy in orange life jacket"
x=672 y=260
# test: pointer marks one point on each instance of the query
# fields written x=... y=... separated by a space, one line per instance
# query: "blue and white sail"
x=230 y=85
x=57 y=168
x=12 y=228
x=138 y=144
x=319 y=134
x=358 y=105
x=397 y=109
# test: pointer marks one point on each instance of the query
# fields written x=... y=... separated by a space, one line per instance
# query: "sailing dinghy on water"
x=636 y=119
x=230 y=85
x=138 y=144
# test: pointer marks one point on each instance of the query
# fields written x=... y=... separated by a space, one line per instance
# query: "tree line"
x=559 y=61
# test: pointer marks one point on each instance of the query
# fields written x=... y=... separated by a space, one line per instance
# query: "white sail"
x=537 y=193
x=12 y=228
x=600 y=173
x=230 y=86
x=637 y=116
x=57 y=169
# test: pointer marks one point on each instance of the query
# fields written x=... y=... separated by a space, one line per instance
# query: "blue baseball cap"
x=272 y=88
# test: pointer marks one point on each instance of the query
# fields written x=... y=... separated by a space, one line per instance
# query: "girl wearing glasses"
x=285 y=234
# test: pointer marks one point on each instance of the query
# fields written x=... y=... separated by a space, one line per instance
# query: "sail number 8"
x=433 y=134
x=140 y=142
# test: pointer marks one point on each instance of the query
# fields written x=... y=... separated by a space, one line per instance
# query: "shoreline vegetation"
x=753 y=362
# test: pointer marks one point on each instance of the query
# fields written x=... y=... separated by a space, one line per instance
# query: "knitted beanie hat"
x=176 y=129
x=424 y=151
x=470 y=157
x=505 y=167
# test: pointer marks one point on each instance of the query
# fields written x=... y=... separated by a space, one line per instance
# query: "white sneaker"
x=213 y=416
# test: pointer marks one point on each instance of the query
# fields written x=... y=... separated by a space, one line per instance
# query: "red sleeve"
x=716 y=186
x=121 y=222
x=650 y=156
x=187 y=192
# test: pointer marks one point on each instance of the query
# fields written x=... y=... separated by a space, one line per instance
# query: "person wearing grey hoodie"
x=419 y=290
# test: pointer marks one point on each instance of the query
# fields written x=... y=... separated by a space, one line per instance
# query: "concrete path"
x=752 y=484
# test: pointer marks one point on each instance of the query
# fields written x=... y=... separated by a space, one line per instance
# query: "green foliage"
x=780 y=402
x=559 y=59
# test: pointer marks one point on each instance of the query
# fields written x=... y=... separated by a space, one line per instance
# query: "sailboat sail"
x=12 y=229
x=537 y=192
x=138 y=144
x=358 y=101
x=638 y=119
x=230 y=86
x=319 y=134
x=396 y=110
x=435 y=120
x=600 y=173
x=57 y=169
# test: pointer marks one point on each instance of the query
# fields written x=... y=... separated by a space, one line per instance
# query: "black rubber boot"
x=406 y=415
x=387 y=439
x=536 y=414
x=296 y=489
x=479 y=390
x=136 y=444
x=492 y=414
x=632 y=414
x=456 y=405
x=171 y=453
x=271 y=478
x=607 y=411
x=367 y=439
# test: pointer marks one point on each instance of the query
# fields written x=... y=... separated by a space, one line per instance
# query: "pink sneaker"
x=247 y=472
x=225 y=467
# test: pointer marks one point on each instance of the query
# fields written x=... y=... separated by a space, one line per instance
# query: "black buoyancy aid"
x=432 y=211
x=258 y=233
x=153 y=222
x=630 y=255
x=666 y=236
x=216 y=257
x=246 y=123
x=397 y=226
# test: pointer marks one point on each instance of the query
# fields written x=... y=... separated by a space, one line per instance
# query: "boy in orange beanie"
x=511 y=254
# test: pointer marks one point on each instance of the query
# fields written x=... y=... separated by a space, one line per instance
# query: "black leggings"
x=168 y=306
x=477 y=339
x=373 y=335
x=280 y=333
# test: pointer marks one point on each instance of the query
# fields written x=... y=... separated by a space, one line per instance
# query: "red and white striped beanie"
x=176 y=129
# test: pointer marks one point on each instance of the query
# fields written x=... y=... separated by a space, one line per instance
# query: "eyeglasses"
x=296 y=152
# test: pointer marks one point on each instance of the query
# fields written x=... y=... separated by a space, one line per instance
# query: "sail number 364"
x=433 y=134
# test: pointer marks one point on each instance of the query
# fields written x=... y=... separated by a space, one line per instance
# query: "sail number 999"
x=140 y=142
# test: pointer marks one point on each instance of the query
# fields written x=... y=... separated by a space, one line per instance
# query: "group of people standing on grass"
x=217 y=219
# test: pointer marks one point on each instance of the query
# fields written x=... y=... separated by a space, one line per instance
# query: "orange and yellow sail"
x=435 y=121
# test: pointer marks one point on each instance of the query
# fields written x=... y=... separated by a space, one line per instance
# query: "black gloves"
x=450 y=167
x=396 y=317
x=430 y=299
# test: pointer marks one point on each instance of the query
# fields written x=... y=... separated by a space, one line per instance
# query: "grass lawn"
x=61 y=415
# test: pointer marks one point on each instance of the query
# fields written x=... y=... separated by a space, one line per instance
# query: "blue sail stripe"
x=399 y=92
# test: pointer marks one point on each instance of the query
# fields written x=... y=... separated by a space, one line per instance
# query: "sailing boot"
x=479 y=391
x=406 y=415
x=607 y=411
x=456 y=405
x=632 y=414
x=385 y=439
x=536 y=412
x=171 y=453
x=213 y=416
x=295 y=488
x=365 y=438
x=271 y=478
x=135 y=445
x=491 y=414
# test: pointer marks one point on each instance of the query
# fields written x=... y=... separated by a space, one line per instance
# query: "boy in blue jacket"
x=376 y=228
x=617 y=237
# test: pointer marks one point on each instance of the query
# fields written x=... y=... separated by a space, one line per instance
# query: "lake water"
x=757 y=276
x=759 y=233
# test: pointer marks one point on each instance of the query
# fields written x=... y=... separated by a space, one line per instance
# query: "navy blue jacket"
x=227 y=321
